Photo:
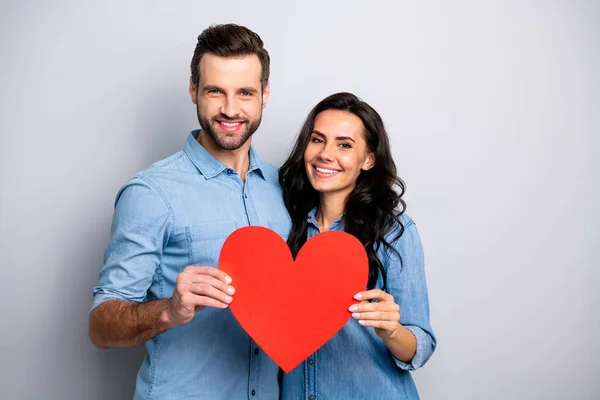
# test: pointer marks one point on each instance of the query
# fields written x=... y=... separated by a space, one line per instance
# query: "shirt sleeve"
x=139 y=229
x=406 y=281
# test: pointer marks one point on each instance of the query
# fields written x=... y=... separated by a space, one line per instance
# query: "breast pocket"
x=206 y=240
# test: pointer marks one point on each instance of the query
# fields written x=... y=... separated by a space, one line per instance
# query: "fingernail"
x=228 y=299
x=231 y=290
x=353 y=308
x=361 y=322
x=356 y=315
x=358 y=296
x=228 y=279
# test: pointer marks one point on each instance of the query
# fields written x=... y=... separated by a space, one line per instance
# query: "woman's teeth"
x=326 y=171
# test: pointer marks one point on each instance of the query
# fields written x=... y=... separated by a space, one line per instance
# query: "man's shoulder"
x=167 y=168
x=173 y=162
x=159 y=175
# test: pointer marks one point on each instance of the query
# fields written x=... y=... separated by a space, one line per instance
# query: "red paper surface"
x=290 y=308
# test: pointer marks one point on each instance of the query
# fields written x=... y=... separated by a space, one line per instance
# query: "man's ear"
x=369 y=162
x=266 y=94
x=193 y=91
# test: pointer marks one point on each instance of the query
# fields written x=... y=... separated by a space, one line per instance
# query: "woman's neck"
x=331 y=207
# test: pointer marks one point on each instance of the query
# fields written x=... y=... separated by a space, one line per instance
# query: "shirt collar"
x=208 y=165
x=335 y=226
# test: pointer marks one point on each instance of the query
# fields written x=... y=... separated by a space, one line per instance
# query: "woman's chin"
x=323 y=189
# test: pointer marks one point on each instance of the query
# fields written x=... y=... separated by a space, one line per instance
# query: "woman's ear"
x=369 y=162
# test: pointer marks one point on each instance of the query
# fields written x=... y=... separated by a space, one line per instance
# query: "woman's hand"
x=383 y=315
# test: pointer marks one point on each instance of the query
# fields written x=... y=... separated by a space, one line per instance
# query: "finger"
x=385 y=316
x=206 y=290
x=379 y=306
x=385 y=325
x=198 y=302
x=208 y=270
x=372 y=294
x=209 y=280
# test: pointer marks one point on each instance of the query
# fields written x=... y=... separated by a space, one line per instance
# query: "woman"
x=341 y=176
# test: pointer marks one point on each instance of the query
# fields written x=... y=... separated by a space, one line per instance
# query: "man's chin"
x=231 y=142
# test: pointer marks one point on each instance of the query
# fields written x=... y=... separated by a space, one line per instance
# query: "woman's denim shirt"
x=356 y=363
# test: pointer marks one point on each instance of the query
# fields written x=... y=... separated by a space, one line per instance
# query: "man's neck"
x=238 y=159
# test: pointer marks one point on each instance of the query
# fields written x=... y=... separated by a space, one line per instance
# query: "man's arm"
x=119 y=323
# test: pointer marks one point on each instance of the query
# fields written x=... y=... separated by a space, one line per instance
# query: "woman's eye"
x=345 y=145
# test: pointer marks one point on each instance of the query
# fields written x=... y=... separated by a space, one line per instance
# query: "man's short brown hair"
x=230 y=40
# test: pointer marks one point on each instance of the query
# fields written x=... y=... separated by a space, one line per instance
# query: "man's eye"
x=245 y=93
x=214 y=91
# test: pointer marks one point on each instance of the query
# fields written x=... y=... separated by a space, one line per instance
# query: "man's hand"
x=196 y=288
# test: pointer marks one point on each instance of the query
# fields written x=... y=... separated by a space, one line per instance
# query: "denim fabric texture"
x=177 y=213
x=355 y=363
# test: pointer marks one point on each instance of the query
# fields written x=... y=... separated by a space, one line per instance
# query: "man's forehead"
x=243 y=70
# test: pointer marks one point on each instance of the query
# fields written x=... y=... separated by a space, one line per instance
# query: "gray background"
x=493 y=112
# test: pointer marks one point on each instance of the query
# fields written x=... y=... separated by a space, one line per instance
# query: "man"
x=159 y=284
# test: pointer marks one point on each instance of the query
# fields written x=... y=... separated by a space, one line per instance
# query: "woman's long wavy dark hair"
x=374 y=207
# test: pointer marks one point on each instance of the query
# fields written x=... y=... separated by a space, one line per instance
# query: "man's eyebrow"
x=249 y=89
x=211 y=87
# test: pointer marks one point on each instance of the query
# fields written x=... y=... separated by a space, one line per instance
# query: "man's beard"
x=229 y=140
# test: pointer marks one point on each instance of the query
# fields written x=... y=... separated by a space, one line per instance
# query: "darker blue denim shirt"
x=356 y=363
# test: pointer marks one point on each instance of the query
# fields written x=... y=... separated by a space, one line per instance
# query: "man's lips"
x=231 y=126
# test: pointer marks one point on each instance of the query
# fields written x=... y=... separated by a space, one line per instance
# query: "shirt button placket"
x=255 y=365
x=311 y=378
x=248 y=206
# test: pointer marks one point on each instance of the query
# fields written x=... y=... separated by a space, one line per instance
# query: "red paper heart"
x=290 y=308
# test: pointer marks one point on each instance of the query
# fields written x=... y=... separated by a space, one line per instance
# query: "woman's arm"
x=401 y=316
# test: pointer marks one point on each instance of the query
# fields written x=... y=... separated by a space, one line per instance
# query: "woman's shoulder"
x=404 y=239
x=406 y=220
x=403 y=224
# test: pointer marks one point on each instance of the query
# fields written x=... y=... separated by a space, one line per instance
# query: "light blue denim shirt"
x=178 y=213
x=356 y=363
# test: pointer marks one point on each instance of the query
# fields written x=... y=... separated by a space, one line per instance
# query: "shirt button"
x=311 y=397
x=253 y=392
x=245 y=196
x=256 y=351
x=230 y=171
x=310 y=362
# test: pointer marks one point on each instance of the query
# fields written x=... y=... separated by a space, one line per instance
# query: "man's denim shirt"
x=356 y=363
x=178 y=213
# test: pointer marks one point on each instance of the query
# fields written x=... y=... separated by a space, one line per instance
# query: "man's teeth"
x=326 y=171
x=230 y=124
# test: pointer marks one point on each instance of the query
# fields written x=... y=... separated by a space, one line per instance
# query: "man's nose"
x=230 y=107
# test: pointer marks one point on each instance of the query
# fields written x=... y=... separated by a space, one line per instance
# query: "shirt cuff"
x=421 y=355
x=101 y=297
